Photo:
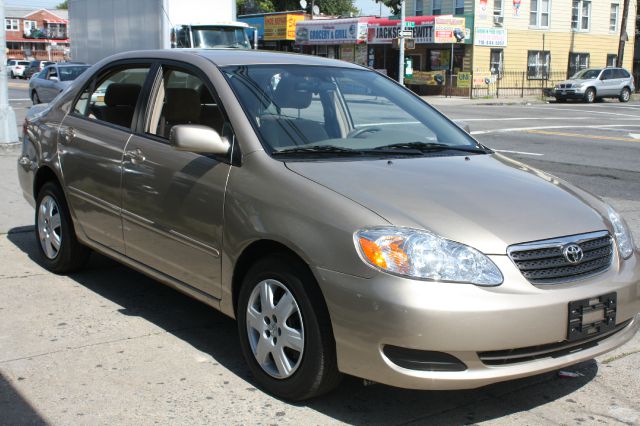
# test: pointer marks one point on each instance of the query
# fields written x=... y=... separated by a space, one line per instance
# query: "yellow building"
x=539 y=37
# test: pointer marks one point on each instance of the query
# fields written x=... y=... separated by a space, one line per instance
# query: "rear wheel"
x=590 y=95
x=285 y=331
x=625 y=95
x=58 y=246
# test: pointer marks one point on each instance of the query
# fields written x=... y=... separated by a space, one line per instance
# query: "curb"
x=10 y=147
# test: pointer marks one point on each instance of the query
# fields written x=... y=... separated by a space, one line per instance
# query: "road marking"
x=634 y=135
x=518 y=152
x=524 y=129
x=583 y=136
x=525 y=118
x=584 y=110
x=19 y=99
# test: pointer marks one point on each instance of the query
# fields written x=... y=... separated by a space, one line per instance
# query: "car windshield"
x=331 y=111
x=204 y=37
x=586 y=75
x=71 y=73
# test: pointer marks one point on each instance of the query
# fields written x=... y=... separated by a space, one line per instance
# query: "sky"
x=368 y=7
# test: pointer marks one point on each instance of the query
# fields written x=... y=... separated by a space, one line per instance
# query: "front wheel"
x=590 y=96
x=625 y=95
x=13 y=76
x=59 y=248
x=35 y=98
x=285 y=331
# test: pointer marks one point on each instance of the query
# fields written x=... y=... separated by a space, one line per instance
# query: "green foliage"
x=328 y=7
x=63 y=5
x=394 y=5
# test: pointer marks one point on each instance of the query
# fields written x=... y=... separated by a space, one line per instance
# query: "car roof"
x=226 y=57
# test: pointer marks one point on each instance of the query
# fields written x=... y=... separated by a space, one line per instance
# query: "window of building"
x=581 y=15
x=538 y=64
x=436 y=7
x=578 y=62
x=498 y=8
x=613 y=17
x=539 y=13
x=29 y=26
x=612 y=59
x=459 y=7
x=419 y=7
x=11 y=24
x=496 y=60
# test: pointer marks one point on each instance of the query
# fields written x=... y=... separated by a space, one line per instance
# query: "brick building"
x=37 y=34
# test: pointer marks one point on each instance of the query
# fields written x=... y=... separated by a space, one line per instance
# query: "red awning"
x=56 y=21
x=36 y=40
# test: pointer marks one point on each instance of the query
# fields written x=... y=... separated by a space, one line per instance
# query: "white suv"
x=596 y=83
x=16 y=68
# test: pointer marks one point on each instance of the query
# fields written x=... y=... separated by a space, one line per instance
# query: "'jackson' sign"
x=383 y=31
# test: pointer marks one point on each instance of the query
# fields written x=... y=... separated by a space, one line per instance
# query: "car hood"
x=486 y=201
x=576 y=82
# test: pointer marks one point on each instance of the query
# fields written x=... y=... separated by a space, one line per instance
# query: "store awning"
x=56 y=21
x=331 y=31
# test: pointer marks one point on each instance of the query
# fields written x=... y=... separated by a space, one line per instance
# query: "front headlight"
x=421 y=254
x=622 y=234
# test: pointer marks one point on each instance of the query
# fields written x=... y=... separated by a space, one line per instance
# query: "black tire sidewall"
x=586 y=96
x=621 y=97
x=318 y=348
x=71 y=253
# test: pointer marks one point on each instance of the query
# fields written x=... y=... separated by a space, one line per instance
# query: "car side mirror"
x=199 y=139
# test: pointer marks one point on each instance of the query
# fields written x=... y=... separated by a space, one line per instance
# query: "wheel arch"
x=43 y=175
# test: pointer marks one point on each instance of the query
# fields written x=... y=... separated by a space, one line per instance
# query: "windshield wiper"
x=331 y=149
x=432 y=146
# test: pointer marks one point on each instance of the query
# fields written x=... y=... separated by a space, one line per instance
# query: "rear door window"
x=113 y=97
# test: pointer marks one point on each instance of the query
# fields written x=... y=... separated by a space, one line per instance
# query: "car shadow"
x=353 y=402
x=14 y=408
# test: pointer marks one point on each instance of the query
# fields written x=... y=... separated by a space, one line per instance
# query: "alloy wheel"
x=275 y=329
x=49 y=227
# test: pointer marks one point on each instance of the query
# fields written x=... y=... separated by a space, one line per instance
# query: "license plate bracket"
x=592 y=316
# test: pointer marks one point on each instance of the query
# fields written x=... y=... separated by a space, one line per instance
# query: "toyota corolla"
x=349 y=227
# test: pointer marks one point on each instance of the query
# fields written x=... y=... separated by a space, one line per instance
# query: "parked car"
x=52 y=80
x=35 y=67
x=596 y=83
x=347 y=225
x=16 y=68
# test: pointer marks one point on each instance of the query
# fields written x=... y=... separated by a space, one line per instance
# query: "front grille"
x=551 y=350
x=565 y=86
x=543 y=262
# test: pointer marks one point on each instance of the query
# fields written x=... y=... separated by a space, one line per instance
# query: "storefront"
x=334 y=38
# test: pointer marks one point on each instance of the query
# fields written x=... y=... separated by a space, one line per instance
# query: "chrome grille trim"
x=542 y=262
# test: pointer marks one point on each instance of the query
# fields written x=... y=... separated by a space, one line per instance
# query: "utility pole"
x=401 y=43
x=623 y=33
x=8 y=127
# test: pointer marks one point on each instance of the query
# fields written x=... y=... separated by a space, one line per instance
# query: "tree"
x=63 y=5
x=394 y=5
x=328 y=7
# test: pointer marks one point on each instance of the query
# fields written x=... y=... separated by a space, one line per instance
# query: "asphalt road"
x=110 y=346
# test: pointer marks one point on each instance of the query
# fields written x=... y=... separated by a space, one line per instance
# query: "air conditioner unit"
x=498 y=20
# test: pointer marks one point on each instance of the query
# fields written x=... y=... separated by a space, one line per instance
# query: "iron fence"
x=515 y=83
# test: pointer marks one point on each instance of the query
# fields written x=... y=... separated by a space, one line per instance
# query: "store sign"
x=281 y=27
x=445 y=28
x=427 y=78
x=336 y=31
x=493 y=37
x=384 y=31
x=464 y=80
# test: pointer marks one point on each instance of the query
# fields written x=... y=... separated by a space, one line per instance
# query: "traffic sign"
x=406 y=33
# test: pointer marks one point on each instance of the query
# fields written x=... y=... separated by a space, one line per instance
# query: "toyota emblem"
x=573 y=253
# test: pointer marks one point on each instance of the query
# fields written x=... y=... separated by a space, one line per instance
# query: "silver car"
x=596 y=83
x=52 y=80
x=349 y=227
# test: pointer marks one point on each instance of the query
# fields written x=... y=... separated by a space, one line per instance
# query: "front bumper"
x=571 y=93
x=463 y=320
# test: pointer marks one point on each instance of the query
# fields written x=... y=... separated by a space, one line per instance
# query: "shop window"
x=612 y=59
x=419 y=7
x=459 y=7
x=496 y=61
x=581 y=15
x=538 y=64
x=539 y=13
x=11 y=25
x=578 y=62
x=436 y=7
x=321 y=51
x=613 y=17
x=498 y=8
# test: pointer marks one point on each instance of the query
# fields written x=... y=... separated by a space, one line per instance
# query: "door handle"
x=136 y=156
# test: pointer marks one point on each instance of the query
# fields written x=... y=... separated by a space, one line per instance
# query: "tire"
x=35 y=98
x=590 y=95
x=625 y=95
x=561 y=100
x=311 y=361
x=58 y=246
x=13 y=76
